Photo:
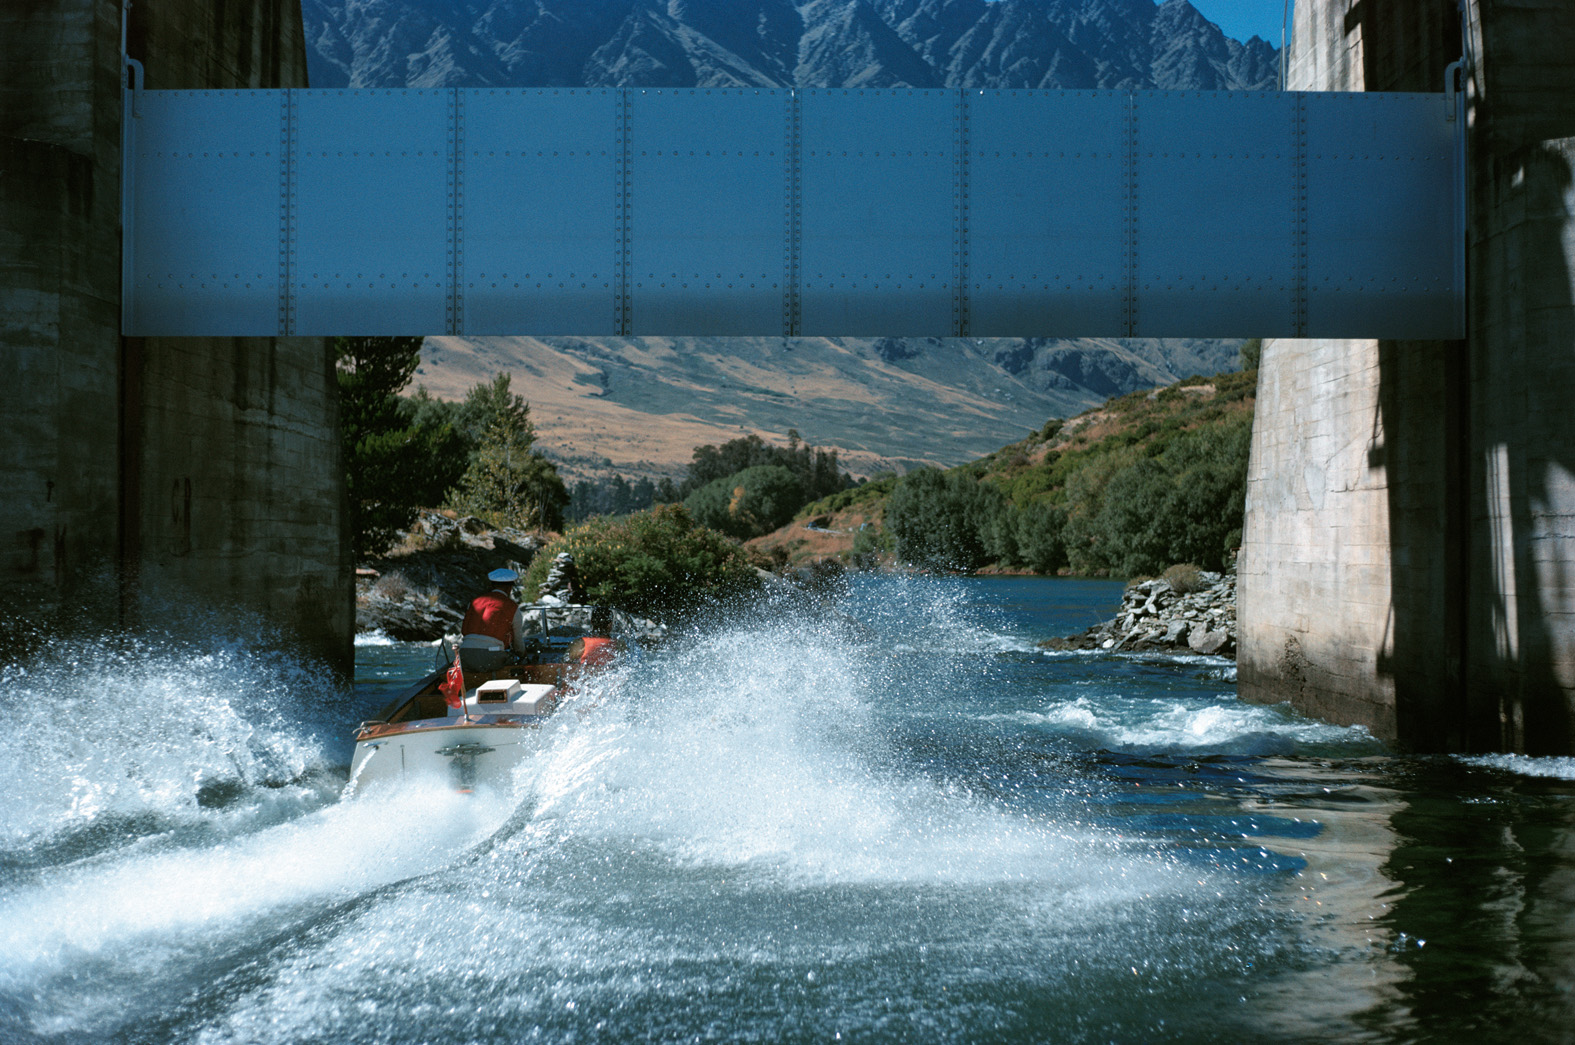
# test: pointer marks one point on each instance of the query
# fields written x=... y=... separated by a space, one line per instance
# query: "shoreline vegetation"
x=1131 y=488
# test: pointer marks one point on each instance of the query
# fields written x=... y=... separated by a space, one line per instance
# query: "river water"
x=889 y=820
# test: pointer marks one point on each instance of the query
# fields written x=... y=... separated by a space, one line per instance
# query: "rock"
x=1208 y=642
x=1154 y=617
x=563 y=581
x=408 y=620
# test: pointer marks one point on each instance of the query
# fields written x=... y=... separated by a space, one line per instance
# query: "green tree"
x=657 y=564
x=749 y=503
x=1131 y=521
x=1040 y=538
x=507 y=482
x=937 y=519
x=388 y=464
x=1251 y=353
x=817 y=470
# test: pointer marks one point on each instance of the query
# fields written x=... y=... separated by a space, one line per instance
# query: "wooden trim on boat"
x=429 y=725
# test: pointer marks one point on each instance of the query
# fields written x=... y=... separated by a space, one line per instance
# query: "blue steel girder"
x=754 y=211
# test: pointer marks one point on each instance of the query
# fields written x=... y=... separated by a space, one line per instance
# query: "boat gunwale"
x=427 y=725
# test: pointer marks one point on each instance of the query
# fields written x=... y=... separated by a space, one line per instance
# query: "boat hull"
x=467 y=756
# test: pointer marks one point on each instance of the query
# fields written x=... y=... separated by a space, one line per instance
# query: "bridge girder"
x=793 y=212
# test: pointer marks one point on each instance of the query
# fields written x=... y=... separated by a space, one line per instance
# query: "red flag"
x=453 y=685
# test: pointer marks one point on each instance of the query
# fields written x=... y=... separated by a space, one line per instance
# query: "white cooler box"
x=508 y=697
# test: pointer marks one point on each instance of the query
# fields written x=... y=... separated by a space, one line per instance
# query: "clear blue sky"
x=1242 y=19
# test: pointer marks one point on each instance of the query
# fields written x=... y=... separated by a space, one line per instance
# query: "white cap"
x=503 y=576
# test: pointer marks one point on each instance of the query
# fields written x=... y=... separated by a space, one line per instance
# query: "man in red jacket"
x=490 y=616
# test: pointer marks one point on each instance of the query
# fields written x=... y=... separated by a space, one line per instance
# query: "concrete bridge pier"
x=1409 y=553
x=192 y=474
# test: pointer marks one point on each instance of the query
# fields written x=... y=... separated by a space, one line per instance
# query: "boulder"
x=1154 y=617
x=1208 y=642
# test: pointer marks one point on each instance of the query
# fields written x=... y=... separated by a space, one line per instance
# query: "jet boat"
x=469 y=727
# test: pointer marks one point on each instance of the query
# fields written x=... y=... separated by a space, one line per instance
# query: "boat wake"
x=144 y=739
x=767 y=749
x=747 y=806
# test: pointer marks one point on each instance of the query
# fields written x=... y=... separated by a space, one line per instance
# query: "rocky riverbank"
x=1156 y=617
x=418 y=591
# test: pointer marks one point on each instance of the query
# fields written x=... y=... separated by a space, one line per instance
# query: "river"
x=891 y=820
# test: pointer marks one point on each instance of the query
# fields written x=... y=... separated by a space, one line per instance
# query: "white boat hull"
x=470 y=756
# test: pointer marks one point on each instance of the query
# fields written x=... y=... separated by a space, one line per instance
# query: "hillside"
x=1140 y=482
x=639 y=406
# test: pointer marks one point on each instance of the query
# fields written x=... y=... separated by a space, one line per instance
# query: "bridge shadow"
x=1476 y=439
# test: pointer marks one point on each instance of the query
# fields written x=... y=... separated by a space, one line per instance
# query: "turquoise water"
x=892 y=819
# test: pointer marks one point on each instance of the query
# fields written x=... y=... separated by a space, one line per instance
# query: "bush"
x=939 y=520
x=1184 y=578
x=869 y=492
x=749 y=503
x=657 y=564
x=872 y=546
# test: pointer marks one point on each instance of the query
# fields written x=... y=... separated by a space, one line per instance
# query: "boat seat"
x=482 y=653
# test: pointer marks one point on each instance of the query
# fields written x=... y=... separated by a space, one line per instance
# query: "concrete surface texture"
x=146 y=474
x=1409 y=555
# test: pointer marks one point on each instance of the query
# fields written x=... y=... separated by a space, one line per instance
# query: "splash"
x=750 y=829
x=138 y=737
x=768 y=748
x=1557 y=768
x=79 y=938
x=1148 y=726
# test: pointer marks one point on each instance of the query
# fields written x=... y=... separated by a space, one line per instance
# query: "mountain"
x=640 y=406
x=1070 y=44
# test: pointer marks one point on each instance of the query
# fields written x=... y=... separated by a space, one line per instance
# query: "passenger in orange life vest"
x=490 y=624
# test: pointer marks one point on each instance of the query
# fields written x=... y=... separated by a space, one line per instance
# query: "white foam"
x=372 y=638
x=758 y=748
x=1159 y=725
x=143 y=730
x=120 y=906
x=1558 y=768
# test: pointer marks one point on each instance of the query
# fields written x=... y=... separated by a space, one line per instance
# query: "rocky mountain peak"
x=1048 y=44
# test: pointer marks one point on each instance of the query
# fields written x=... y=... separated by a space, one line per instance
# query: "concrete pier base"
x=1409 y=554
x=194 y=472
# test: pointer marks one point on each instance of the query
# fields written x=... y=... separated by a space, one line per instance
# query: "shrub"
x=1184 y=578
x=658 y=564
x=392 y=585
x=938 y=519
x=864 y=493
x=872 y=546
x=749 y=503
